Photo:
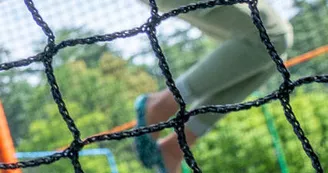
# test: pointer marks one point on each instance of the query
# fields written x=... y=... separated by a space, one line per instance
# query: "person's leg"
x=217 y=22
x=169 y=146
x=235 y=61
x=228 y=75
x=229 y=64
x=240 y=59
x=160 y=107
x=171 y=151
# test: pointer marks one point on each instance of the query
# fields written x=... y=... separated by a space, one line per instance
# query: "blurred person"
x=236 y=68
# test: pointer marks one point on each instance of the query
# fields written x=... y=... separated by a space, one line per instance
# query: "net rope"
x=149 y=28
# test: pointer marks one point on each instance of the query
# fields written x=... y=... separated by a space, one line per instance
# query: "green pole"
x=275 y=138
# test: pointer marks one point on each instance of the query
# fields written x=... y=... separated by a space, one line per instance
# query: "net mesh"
x=177 y=123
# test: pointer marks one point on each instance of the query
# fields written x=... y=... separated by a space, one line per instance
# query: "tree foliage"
x=98 y=99
x=13 y=89
x=241 y=142
x=310 y=32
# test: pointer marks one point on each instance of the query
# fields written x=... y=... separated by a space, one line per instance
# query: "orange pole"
x=119 y=128
x=307 y=56
x=7 y=149
x=122 y=127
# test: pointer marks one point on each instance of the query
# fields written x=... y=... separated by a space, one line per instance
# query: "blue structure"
x=87 y=152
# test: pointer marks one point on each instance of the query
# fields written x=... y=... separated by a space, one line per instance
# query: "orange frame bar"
x=7 y=148
x=307 y=56
x=289 y=63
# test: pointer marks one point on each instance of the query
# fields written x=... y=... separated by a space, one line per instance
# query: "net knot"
x=286 y=88
x=50 y=50
x=181 y=118
x=74 y=148
x=154 y=20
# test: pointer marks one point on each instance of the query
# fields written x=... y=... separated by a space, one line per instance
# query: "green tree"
x=14 y=95
x=98 y=99
x=310 y=32
x=241 y=141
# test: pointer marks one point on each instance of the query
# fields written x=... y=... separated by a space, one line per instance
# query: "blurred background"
x=100 y=82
